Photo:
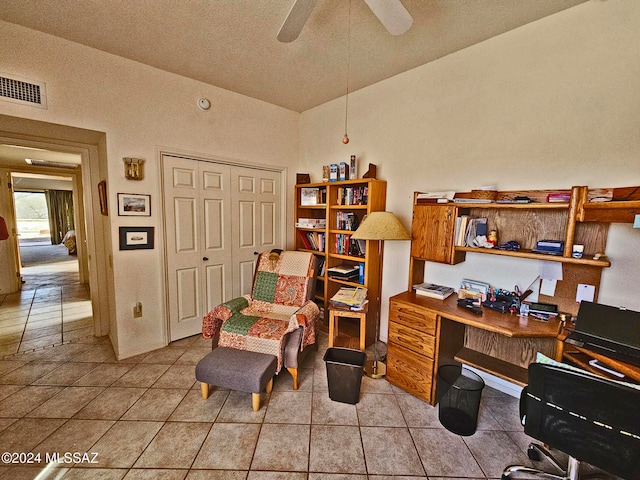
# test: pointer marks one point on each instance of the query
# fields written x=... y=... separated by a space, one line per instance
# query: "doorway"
x=45 y=218
x=54 y=304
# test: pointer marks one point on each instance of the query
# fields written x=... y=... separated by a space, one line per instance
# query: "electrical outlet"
x=137 y=310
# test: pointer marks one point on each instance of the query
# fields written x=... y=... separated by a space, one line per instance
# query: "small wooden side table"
x=336 y=312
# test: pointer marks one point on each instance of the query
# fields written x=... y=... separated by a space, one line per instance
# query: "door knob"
x=205 y=258
x=256 y=253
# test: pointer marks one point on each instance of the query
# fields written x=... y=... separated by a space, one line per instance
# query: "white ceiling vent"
x=14 y=89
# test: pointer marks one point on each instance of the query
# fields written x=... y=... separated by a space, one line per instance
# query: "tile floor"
x=53 y=308
x=144 y=417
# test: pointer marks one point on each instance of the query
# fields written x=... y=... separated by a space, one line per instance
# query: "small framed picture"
x=136 y=238
x=134 y=205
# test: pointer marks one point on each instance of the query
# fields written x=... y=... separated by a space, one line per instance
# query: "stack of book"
x=311 y=223
x=434 y=197
x=349 y=273
x=432 y=290
x=352 y=298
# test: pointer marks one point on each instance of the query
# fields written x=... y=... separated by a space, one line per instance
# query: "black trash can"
x=344 y=373
x=459 y=392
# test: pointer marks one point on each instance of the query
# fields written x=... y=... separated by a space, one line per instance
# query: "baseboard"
x=122 y=355
x=498 y=383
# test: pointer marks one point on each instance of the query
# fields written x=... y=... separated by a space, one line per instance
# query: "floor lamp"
x=379 y=226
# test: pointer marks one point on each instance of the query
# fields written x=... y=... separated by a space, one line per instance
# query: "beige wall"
x=552 y=104
x=142 y=110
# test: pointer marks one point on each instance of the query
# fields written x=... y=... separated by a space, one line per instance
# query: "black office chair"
x=590 y=418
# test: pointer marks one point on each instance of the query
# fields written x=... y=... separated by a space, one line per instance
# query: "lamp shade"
x=381 y=226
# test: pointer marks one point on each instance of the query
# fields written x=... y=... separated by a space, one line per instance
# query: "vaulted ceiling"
x=232 y=43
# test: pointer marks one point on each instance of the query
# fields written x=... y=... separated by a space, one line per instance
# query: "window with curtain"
x=60 y=206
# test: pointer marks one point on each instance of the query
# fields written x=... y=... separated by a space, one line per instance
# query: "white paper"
x=550 y=270
x=548 y=287
x=585 y=292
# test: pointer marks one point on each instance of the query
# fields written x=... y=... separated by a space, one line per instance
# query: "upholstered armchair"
x=278 y=317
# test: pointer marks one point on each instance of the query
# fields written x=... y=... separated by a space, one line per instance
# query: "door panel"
x=216 y=217
x=214 y=225
x=217 y=256
x=247 y=270
x=249 y=214
x=187 y=294
x=268 y=222
x=246 y=224
x=215 y=285
x=183 y=244
x=186 y=232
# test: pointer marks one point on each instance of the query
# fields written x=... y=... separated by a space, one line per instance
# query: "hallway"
x=53 y=308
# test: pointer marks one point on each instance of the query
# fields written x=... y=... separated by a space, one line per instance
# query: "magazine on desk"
x=432 y=290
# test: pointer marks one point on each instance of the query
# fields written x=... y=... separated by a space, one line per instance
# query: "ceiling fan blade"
x=392 y=14
x=296 y=19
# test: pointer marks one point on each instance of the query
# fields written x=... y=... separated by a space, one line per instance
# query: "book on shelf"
x=343 y=171
x=473 y=200
x=433 y=290
x=350 y=297
x=435 y=197
x=347 y=221
x=313 y=240
x=468 y=228
x=343 y=244
x=310 y=196
x=349 y=273
x=333 y=172
x=353 y=195
x=319 y=223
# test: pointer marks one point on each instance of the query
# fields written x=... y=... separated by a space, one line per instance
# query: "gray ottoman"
x=240 y=370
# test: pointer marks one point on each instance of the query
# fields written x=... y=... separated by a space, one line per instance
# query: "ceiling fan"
x=391 y=13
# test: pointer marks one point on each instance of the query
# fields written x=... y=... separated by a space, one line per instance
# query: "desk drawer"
x=413 y=316
x=412 y=339
x=410 y=372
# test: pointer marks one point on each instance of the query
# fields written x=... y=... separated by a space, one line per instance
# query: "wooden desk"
x=425 y=333
x=580 y=357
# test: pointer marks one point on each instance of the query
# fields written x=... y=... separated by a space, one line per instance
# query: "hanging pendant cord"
x=346 y=104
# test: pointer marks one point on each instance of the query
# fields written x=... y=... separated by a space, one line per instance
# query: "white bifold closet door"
x=217 y=217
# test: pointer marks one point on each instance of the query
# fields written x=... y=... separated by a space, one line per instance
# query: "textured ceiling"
x=232 y=43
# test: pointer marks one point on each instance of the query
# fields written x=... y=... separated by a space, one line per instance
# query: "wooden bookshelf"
x=346 y=199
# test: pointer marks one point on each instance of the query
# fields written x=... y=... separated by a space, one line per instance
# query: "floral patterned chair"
x=278 y=318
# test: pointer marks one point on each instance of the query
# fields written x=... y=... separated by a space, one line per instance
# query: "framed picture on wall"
x=134 y=205
x=136 y=238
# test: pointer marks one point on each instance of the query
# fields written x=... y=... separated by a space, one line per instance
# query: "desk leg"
x=332 y=320
x=559 y=350
x=363 y=331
